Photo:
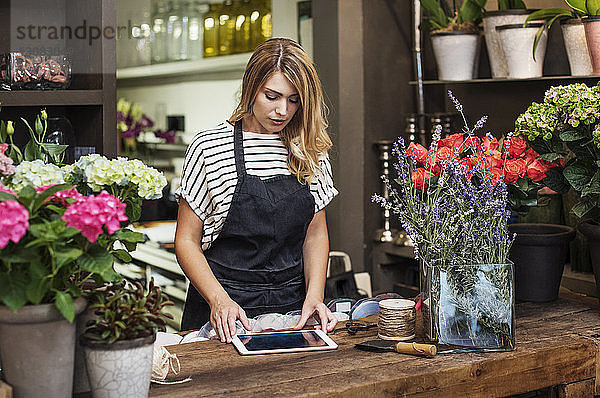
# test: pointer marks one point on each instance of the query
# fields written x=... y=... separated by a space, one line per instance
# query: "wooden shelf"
x=51 y=98
x=490 y=80
x=217 y=65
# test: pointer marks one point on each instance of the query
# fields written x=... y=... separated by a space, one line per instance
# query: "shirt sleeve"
x=322 y=185
x=194 y=188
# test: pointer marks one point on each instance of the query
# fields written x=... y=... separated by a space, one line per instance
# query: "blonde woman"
x=251 y=230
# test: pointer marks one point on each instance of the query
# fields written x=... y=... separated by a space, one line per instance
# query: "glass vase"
x=469 y=307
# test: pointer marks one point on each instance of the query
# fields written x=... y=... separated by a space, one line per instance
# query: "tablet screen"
x=281 y=341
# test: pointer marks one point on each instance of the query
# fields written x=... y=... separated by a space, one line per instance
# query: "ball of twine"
x=397 y=319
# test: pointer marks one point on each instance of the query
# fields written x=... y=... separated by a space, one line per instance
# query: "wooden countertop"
x=557 y=344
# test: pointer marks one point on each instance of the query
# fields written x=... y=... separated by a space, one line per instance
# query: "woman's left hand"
x=326 y=317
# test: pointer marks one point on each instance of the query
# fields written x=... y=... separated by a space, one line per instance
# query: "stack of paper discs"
x=397 y=319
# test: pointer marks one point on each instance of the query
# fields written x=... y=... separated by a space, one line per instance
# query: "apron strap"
x=238 y=149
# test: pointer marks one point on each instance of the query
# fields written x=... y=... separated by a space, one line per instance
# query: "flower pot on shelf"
x=592 y=233
x=470 y=307
x=37 y=347
x=591 y=25
x=517 y=44
x=119 y=369
x=492 y=38
x=456 y=54
x=573 y=33
x=539 y=253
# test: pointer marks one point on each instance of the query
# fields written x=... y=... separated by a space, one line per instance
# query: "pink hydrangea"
x=3 y=148
x=7 y=190
x=61 y=197
x=14 y=222
x=6 y=164
x=90 y=213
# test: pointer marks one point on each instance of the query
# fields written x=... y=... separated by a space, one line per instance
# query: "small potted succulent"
x=455 y=36
x=118 y=342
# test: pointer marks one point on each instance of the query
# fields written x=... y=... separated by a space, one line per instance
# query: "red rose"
x=494 y=159
x=537 y=170
x=530 y=156
x=517 y=147
x=514 y=169
x=495 y=174
x=431 y=164
x=490 y=143
x=467 y=163
x=420 y=177
x=443 y=155
x=417 y=152
x=453 y=141
x=3 y=148
x=473 y=141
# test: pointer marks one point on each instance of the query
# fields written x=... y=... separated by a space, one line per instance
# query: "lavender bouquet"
x=452 y=201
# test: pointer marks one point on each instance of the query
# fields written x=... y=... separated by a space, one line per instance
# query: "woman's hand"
x=223 y=314
x=326 y=317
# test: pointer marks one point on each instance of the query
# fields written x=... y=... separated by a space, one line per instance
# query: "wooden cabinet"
x=90 y=101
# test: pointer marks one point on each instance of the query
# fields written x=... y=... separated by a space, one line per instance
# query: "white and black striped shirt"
x=209 y=175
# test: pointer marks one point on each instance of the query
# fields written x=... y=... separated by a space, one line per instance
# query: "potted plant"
x=591 y=23
x=565 y=128
x=573 y=36
x=455 y=37
x=453 y=203
x=119 y=339
x=509 y=12
x=54 y=239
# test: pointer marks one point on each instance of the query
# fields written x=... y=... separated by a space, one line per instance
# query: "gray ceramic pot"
x=37 y=346
x=592 y=233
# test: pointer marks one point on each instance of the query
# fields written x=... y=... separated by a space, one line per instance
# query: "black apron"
x=257 y=257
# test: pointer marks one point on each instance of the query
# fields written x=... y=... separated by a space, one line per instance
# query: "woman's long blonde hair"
x=304 y=136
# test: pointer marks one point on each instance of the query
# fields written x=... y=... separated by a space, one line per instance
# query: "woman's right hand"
x=223 y=314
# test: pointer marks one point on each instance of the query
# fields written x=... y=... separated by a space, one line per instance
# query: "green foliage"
x=511 y=4
x=548 y=15
x=127 y=312
x=440 y=16
x=586 y=7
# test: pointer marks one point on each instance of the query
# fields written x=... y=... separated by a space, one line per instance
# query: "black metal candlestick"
x=385 y=234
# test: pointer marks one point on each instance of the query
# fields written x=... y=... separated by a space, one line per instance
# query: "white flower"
x=37 y=174
x=150 y=181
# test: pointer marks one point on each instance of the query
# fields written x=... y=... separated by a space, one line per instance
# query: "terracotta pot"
x=492 y=38
x=37 y=346
x=576 y=45
x=539 y=253
x=517 y=44
x=456 y=54
x=592 y=36
x=121 y=369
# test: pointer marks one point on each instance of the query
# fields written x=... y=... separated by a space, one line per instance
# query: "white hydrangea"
x=36 y=173
x=150 y=181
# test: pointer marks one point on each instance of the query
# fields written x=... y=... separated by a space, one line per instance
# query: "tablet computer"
x=283 y=341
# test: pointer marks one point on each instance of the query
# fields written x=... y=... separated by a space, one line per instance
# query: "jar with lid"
x=211 y=31
x=242 y=42
x=184 y=18
x=159 y=32
x=227 y=16
x=195 y=31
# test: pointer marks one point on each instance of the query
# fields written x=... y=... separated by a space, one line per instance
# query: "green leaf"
x=572 y=135
x=12 y=290
x=127 y=235
x=32 y=151
x=6 y=196
x=122 y=255
x=471 y=11
x=54 y=150
x=578 y=175
x=550 y=157
x=510 y=4
x=3 y=134
x=540 y=145
x=39 y=200
x=588 y=7
x=593 y=187
x=582 y=208
x=96 y=259
x=64 y=303
x=66 y=255
x=556 y=181
x=134 y=208
x=436 y=12
x=38 y=286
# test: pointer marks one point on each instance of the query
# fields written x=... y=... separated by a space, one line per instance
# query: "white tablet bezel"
x=330 y=344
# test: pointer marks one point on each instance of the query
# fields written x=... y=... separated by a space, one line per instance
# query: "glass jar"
x=227 y=16
x=174 y=31
x=469 y=307
x=21 y=71
x=242 y=42
x=211 y=31
x=60 y=132
x=195 y=32
x=261 y=28
x=159 y=32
